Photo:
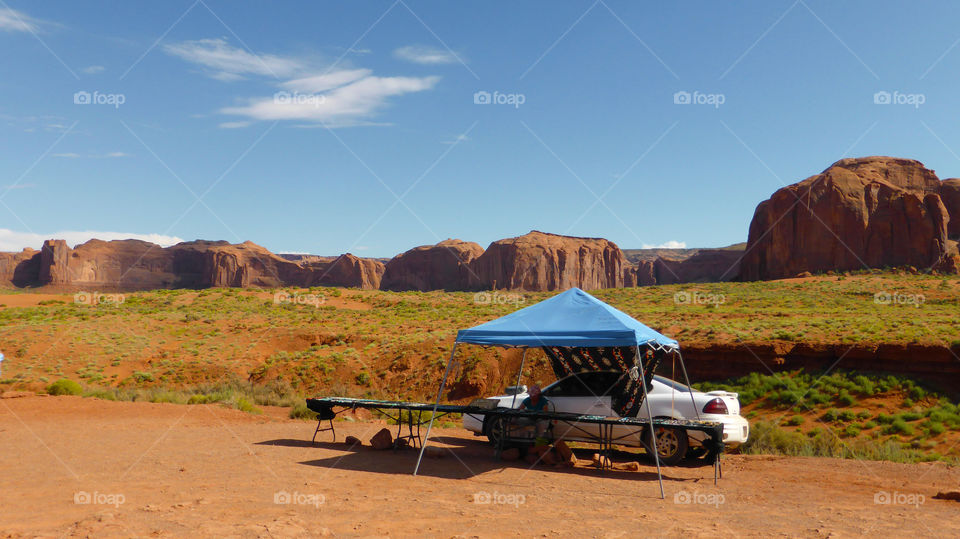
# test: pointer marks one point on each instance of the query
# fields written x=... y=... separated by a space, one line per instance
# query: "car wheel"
x=672 y=445
x=492 y=427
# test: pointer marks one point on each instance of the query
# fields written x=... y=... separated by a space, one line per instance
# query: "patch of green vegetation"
x=768 y=438
x=300 y=411
x=65 y=386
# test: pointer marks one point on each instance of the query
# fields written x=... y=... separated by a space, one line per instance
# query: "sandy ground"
x=83 y=467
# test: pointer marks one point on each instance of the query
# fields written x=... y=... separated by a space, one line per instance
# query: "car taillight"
x=716 y=406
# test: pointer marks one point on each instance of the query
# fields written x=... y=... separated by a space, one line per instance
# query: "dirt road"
x=84 y=467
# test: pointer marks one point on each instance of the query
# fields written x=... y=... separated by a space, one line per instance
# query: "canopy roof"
x=572 y=318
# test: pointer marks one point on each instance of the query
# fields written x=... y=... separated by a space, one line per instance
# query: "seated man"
x=536 y=402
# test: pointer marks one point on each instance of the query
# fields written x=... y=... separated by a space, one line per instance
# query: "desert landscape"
x=247 y=251
x=206 y=470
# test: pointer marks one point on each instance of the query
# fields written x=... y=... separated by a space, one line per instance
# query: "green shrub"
x=140 y=376
x=65 y=386
x=847 y=415
x=795 y=421
x=831 y=415
x=870 y=425
x=845 y=398
x=935 y=428
x=899 y=426
x=103 y=394
x=911 y=416
x=300 y=411
x=244 y=405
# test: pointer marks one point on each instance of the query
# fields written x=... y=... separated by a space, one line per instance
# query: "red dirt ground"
x=210 y=471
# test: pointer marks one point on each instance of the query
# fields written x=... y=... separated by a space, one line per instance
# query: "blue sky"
x=327 y=127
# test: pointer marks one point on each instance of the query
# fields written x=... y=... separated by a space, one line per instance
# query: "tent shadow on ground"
x=455 y=463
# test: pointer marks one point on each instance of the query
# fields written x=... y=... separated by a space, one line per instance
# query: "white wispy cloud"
x=93 y=70
x=350 y=104
x=672 y=244
x=225 y=62
x=421 y=54
x=307 y=93
x=12 y=240
x=16 y=21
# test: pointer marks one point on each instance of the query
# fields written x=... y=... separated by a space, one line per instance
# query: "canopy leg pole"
x=523 y=358
x=653 y=433
x=686 y=379
x=443 y=384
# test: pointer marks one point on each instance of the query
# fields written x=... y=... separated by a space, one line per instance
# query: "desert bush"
x=300 y=411
x=899 y=426
x=65 y=386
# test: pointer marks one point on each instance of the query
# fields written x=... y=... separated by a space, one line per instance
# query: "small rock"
x=16 y=394
x=433 y=452
x=628 y=466
x=352 y=440
x=563 y=450
x=382 y=439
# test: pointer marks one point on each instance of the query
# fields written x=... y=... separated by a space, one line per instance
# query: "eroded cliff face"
x=541 y=261
x=868 y=212
x=19 y=269
x=950 y=194
x=444 y=266
x=140 y=265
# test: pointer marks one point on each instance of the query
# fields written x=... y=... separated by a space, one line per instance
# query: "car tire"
x=672 y=445
x=491 y=426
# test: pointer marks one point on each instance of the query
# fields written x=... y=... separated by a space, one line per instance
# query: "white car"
x=588 y=393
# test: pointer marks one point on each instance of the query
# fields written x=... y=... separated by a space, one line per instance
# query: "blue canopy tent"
x=572 y=319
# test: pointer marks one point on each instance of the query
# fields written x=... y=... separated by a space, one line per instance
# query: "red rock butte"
x=870 y=212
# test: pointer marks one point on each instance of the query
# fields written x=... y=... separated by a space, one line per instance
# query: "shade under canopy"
x=572 y=318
